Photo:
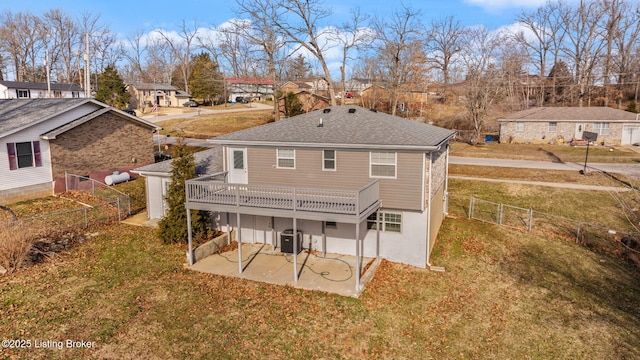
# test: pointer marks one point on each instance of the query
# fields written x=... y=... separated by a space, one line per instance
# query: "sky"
x=129 y=17
x=126 y=17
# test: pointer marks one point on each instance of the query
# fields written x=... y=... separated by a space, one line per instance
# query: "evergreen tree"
x=173 y=227
x=632 y=107
x=292 y=106
x=205 y=80
x=111 y=90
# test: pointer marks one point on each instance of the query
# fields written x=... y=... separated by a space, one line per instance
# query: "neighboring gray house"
x=35 y=90
x=158 y=176
x=353 y=181
x=561 y=124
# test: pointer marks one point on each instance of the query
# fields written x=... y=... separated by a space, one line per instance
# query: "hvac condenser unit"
x=286 y=241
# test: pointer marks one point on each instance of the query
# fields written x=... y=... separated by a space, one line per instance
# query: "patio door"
x=579 y=130
x=237 y=160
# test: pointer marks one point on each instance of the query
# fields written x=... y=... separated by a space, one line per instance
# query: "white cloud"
x=496 y=5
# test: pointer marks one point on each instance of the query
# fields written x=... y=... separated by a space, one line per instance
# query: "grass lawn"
x=206 y=126
x=505 y=295
x=545 y=152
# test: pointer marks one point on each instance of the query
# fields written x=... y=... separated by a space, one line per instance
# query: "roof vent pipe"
x=320 y=124
x=351 y=111
x=326 y=110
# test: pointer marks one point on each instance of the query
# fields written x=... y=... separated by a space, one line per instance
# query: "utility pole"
x=46 y=67
x=87 y=79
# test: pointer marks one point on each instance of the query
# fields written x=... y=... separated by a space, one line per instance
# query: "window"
x=519 y=126
x=286 y=158
x=382 y=164
x=553 y=126
x=389 y=221
x=57 y=94
x=328 y=160
x=601 y=128
x=238 y=159
x=24 y=155
x=331 y=225
x=23 y=94
x=75 y=94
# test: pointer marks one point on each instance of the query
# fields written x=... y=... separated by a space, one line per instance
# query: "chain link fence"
x=99 y=191
x=593 y=236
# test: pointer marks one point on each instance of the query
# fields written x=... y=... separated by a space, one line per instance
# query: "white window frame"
x=553 y=126
x=379 y=162
x=23 y=94
x=602 y=128
x=519 y=125
x=385 y=222
x=285 y=157
x=324 y=161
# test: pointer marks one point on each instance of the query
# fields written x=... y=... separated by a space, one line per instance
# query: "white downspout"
x=429 y=211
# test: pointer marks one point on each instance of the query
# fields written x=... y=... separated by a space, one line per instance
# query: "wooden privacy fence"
x=590 y=235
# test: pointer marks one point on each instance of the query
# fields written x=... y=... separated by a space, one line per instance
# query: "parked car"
x=348 y=95
x=130 y=112
x=190 y=103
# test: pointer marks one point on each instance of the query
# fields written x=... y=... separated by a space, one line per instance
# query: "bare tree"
x=63 y=41
x=21 y=38
x=181 y=47
x=351 y=36
x=444 y=42
x=135 y=58
x=399 y=38
x=299 y=20
x=547 y=33
x=483 y=76
x=261 y=33
x=625 y=43
x=585 y=42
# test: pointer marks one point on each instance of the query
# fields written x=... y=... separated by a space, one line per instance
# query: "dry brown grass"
x=15 y=244
x=206 y=126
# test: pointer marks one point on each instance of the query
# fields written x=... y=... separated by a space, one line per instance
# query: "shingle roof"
x=207 y=162
x=344 y=127
x=18 y=113
x=152 y=86
x=571 y=114
x=40 y=86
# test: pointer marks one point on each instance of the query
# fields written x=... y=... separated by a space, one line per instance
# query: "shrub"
x=15 y=245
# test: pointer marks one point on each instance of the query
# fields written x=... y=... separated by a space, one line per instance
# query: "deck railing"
x=213 y=190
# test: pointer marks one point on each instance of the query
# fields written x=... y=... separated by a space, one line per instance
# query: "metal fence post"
x=471 y=207
x=500 y=207
x=66 y=181
x=86 y=218
x=530 y=223
x=118 y=201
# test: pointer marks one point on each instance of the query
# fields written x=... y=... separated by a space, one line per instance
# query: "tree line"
x=568 y=53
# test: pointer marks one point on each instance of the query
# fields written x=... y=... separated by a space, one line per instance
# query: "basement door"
x=237 y=160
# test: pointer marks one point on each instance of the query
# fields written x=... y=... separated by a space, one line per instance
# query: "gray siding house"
x=561 y=124
x=351 y=180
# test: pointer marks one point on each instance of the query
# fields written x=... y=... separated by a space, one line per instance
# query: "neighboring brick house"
x=562 y=124
x=41 y=139
x=36 y=90
x=309 y=102
x=353 y=181
x=163 y=95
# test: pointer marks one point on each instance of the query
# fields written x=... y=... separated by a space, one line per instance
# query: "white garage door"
x=630 y=134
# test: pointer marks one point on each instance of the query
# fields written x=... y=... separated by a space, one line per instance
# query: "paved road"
x=625 y=169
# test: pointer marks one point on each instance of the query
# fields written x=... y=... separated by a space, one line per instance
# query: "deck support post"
x=358 y=261
x=378 y=233
x=239 y=235
x=228 y=230
x=324 y=239
x=295 y=249
x=189 y=238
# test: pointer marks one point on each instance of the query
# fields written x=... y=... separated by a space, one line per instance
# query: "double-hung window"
x=23 y=94
x=553 y=126
x=601 y=128
x=329 y=160
x=382 y=164
x=24 y=155
x=519 y=126
x=286 y=158
x=389 y=221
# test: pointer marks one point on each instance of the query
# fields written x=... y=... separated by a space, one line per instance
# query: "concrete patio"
x=334 y=273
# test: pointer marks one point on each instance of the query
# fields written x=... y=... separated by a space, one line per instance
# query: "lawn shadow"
x=554 y=158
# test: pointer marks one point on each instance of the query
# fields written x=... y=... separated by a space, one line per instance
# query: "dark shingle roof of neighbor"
x=207 y=162
x=570 y=114
x=345 y=127
x=18 y=113
x=152 y=86
x=40 y=86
